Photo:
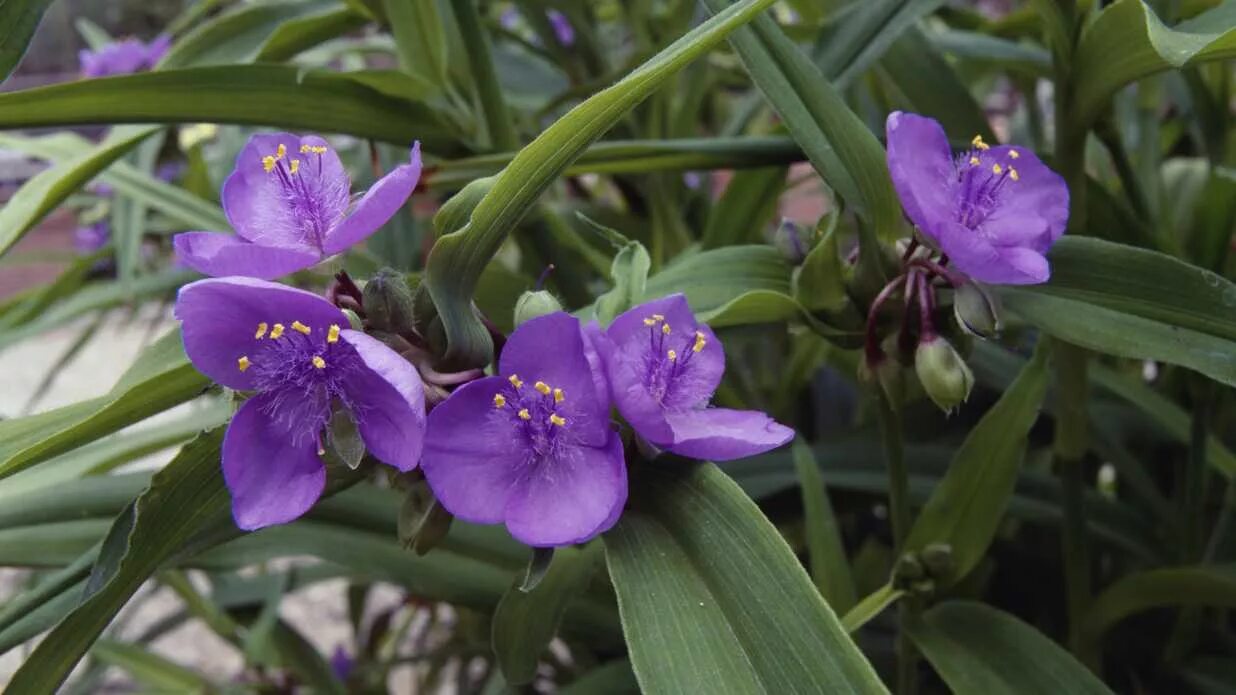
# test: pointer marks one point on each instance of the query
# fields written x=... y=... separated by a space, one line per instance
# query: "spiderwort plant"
x=531 y=447
x=663 y=368
x=293 y=350
x=288 y=200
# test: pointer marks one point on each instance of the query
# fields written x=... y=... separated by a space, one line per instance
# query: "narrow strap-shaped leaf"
x=713 y=600
x=978 y=649
x=457 y=259
x=419 y=37
x=1170 y=586
x=19 y=18
x=968 y=505
x=825 y=551
x=147 y=668
x=237 y=36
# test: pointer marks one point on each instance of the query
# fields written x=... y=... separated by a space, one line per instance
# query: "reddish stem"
x=872 y=344
x=926 y=305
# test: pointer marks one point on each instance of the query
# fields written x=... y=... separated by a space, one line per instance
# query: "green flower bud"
x=388 y=302
x=945 y=376
x=534 y=304
x=937 y=558
x=977 y=310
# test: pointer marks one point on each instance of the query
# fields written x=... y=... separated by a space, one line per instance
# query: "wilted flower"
x=288 y=199
x=294 y=349
x=532 y=447
x=993 y=210
x=123 y=57
x=663 y=368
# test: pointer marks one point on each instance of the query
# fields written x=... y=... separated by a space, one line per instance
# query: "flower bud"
x=945 y=376
x=977 y=310
x=937 y=558
x=792 y=241
x=388 y=302
x=535 y=304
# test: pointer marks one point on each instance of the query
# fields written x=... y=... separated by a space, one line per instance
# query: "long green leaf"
x=1170 y=586
x=237 y=36
x=978 y=649
x=419 y=37
x=150 y=669
x=161 y=378
x=825 y=552
x=41 y=194
x=1128 y=42
x=374 y=105
x=457 y=259
x=966 y=508
x=1132 y=302
x=712 y=599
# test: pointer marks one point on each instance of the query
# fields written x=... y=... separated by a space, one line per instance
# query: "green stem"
x=1193 y=503
x=900 y=520
x=1071 y=443
x=497 y=117
x=871 y=606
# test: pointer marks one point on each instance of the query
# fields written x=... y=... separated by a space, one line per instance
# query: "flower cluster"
x=532 y=446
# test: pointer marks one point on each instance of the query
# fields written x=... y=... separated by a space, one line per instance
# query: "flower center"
x=303 y=370
x=668 y=358
x=981 y=181
x=534 y=413
x=299 y=183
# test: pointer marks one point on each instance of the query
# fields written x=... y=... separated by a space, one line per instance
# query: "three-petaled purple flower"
x=994 y=211
x=663 y=368
x=533 y=446
x=288 y=200
x=295 y=350
x=123 y=57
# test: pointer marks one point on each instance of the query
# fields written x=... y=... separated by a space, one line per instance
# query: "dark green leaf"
x=825 y=552
x=149 y=669
x=745 y=209
x=630 y=276
x=978 y=649
x=1171 y=586
x=712 y=599
x=237 y=36
x=19 y=18
x=419 y=37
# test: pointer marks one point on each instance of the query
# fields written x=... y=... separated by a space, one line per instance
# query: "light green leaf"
x=419 y=37
x=47 y=189
x=978 y=649
x=629 y=274
x=864 y=31
x=237 y=36
x=712 y=600
x=19 y=18
x=161 y=378
x=968 y=505
x=149 y=669
x=457 y=259
x=1128 y=42
x=1136 y=303
x=272 y=95
x=525 y=622
x=303 y=33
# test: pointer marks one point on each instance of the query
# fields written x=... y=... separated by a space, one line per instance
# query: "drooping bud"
x=534 y=304
x=977 y=310
x=388 y=302
x=946 y=377
x=792 y=241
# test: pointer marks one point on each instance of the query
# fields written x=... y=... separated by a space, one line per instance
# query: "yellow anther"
x=268 y=163
x=305 y=149
x=979 y=144
x=499 y=400
x=261 y=331
x=557 y=419
x=276 y=331
x=1014 y=175
x=658 y=317
x=665 y=328
x=542 y=388
x=1014 y=154
x=524 y=414
x=559 y=396
x=320 y=149
x=280 y=151
x=319 y=362
x=332 y=335
x=672 y=355
x=301 y=328
x=515 y=381
x=700 y=342
x=243 y=363
x=996 y=169
x=650 y=322
x=974 y=161
x=294 y=167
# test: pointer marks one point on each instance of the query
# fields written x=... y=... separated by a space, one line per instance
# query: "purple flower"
x=994 y=211
x=123 y=57
x=341 y=664
x=532 y=447
x=294 y=350
x=90 y=238
x=663 y=368
x=288 y=200
x=562 y=27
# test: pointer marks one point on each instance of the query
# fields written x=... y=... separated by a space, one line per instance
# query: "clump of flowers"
x=123 y=57
x=289 y=200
